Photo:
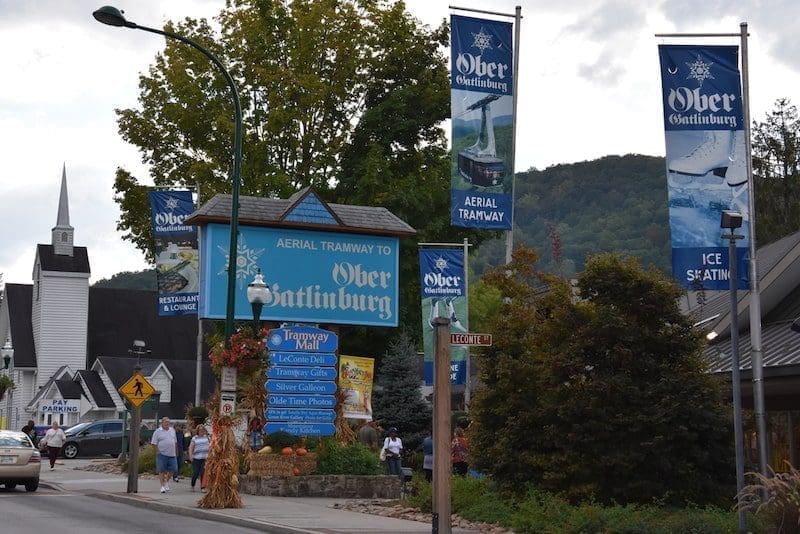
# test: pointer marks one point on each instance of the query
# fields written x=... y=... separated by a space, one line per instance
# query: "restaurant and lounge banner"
x=355 y=382
x=177 y=258
x=481 y=104
x=443 y=291
x=706 y=161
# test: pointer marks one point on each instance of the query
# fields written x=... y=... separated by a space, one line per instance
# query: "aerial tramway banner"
x=706 y=161
x=177 y=258
x=443 y=290
x=481 y=105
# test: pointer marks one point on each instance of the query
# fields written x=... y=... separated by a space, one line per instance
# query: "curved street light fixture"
x=257 y=294
x=114 y=17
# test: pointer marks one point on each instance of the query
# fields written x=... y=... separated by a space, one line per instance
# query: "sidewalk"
x=280 y=515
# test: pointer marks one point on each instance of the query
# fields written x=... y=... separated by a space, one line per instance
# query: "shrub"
x=198 y=414
x=279 y=440
x=476 y=500
x=420 y=493
x=352 y=459
x=781 y=509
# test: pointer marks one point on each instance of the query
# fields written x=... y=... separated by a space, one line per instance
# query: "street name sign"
x=137 y=389
x=467 y=338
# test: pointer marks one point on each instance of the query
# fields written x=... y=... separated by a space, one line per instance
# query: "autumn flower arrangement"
x=247 y=351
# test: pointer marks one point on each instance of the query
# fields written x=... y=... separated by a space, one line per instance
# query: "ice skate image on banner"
x=721 y=152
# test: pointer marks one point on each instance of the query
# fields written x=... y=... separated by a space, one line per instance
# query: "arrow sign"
x=301 y=429
x=466 y=338
x=298 y=386
x=302 y=373
x=300 y=416
x=301 y=401
x=322 y=359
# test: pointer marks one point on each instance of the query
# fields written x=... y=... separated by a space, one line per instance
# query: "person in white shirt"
x=166 y=444
x=54 y=439
x=393 y=446
x=198 y=452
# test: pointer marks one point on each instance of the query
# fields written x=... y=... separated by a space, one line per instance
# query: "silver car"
x=20 y=461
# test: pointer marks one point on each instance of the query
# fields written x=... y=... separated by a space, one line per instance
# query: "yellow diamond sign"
x=137 y=389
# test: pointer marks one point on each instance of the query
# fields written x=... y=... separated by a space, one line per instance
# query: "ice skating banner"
x=481 y=105
x=443 y=290
x=176 y=252
x=355 y=382
x=706 y=161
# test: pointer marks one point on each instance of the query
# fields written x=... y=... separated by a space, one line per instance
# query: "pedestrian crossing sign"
x=137 y=390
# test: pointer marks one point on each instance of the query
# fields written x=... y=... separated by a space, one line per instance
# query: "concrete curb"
x=51 y=485
x=198 y=513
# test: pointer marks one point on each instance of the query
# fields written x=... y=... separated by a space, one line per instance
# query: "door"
x=112 y=438
x=90 y=440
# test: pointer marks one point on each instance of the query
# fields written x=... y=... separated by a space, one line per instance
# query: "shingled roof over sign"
x=303 y=210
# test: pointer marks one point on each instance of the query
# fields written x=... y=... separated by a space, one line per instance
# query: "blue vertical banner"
x=443 y=291
x=706 y=162
x=481 y=106
x=177 y=257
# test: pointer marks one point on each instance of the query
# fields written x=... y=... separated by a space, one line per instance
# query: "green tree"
x=397 y=401
x=131 y=280
x=603 y=396
x=776 y=172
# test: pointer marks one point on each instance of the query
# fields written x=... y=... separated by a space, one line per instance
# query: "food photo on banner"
x=481 y=106
x=706 y=161
x=177 y=258
x=442 y=288
x=355 y=381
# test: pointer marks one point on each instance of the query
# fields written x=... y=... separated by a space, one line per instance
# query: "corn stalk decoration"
x=222 y=467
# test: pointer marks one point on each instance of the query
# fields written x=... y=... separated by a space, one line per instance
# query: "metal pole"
x=515 y=88
x=467 y=380
x=133 y=453
x=441 y=429
x=738 y=434
x=756 y=355
x=198 y=372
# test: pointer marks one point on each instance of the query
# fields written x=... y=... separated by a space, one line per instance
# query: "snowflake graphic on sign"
x=482 y=40
x=700 y=71
x=246 y=261
x=440 y=263
x=172 y=203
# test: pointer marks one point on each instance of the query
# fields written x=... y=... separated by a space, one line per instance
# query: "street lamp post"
x=114 y=17
x=257 y=293
x=731 y=220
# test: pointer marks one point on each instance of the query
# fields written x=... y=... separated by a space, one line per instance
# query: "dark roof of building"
x=96 y=388
x=258 y=211
x=50 y=261
x=18 y=298
x=69 y=389
x=119 y=316
x=120 y=370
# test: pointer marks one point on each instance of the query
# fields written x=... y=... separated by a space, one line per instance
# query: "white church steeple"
x=63 y=233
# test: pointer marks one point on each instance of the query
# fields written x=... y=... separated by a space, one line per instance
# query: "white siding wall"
x=162 y=383
x=62 y=337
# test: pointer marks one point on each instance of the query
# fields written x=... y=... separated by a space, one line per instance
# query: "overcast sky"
x=589 y=87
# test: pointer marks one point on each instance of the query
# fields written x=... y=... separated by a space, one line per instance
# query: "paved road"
x=67 y=512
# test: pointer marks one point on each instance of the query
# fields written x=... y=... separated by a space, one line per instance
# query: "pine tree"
x=398 y=400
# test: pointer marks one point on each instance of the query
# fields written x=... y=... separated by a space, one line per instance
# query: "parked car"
x=95 y=438
x=20 y=461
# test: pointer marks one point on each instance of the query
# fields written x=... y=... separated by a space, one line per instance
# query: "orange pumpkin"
x=287 y=451
x=295 y=471
x=301 y=451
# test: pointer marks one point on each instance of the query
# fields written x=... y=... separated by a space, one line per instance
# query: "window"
x=64 y=237
x=95 y=429
x=116 y=426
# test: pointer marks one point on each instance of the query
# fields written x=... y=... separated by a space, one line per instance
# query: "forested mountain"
x=130 y=280
x=569 y=211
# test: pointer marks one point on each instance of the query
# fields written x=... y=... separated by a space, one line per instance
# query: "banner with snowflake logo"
x=443 y=290
x=177 y=259
x=706 y=159
x=481 y=105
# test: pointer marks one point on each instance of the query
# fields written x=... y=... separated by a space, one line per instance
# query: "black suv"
x=93 y=438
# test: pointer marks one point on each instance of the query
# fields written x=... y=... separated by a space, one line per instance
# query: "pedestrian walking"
x=427 y=459
x=198 y=452
x=393 y=447
x=30 y=431
x=53 y=439
x=166 y=444
x=460 y=452
x=179 y=450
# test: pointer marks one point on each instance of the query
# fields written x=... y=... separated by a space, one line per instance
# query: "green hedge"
x=353 y=459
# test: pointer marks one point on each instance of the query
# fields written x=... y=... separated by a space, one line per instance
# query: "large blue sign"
x=301 y=429
x=322 y=359
x=301 y=415
x=301 y=401
x=302 y=339
x=301 y=373
x=177 y=260
x=481 y=109
x=707 y=169
x=314 y=277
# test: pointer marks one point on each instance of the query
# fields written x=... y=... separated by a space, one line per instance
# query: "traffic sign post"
x=136 y=390
x=227 y=403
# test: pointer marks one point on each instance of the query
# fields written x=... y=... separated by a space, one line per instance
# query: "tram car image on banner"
x=479 y=164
